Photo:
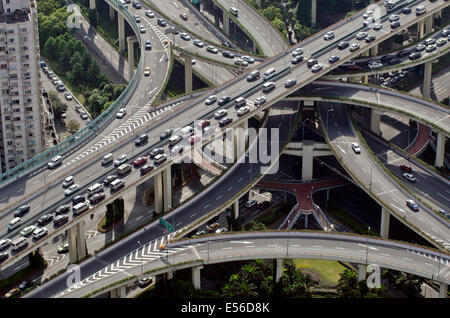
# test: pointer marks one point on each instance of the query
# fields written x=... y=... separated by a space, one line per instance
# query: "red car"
x=184 y=16
x=97 y=198
x=204 y=123
x=406 y=168
x=139 y=161
x=194 y=139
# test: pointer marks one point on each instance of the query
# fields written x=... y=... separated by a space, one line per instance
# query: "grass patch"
x=349 y=219
x=273 y=214
x=17 y=277
x=328 y=271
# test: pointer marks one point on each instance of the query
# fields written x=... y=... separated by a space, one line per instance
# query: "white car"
x=211 y=99
x=297 y=51
x=220 y=113
x=361 y=35
x=247 y=58
x=240 y=62
x=367 y=14
x=68 y=96
x=243 y=110
x=39 y=233
x=72 y=189
x=176 y=150
x=377 y=26
x=56 y=161
x=329 y=36
x=356 y=148
x=198 y=43
x=354 y=47
x=394 y=17
x=185 y=36
x=121 y=113
x=149 y=14
x=259 y=100
x=120 y=160
x=410 y=177
x=250 y=203
x=147 y=71
x=68 y=181
x=142 y=29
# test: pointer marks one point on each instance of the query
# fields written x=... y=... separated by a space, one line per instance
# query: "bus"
x=393 y=4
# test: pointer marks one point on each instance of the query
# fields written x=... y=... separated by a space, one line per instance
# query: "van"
x=160 y=158
x=123 y=169
x=117 y=184
x=122 y=2
x=268 y=73
x=420 y=10
x=187 y=131
x=107 y=159
x=80 y=208
x=240 y=101
x=253 y=76
x=267 y=87
x=234 y=11
x=5 y=244
x=60 y=86
x=56 y=161
x=96 y=188
x=174 y=140
x=60 y=219
x=14 y=223
x=19 y=243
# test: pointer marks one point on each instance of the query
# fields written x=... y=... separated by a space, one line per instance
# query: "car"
x=220 y=113
x=60 y=219
x=415 y=56
x=146 y=280
x=142 y=29
x=137 y=4
x=420 y=47
x=445 y=213
x=97 y=198
x=225 y=121
x=121 y=113
x=46 y=218
x=441 y=42
x=406 y=168
x=406 y=10
x=55 y=162
x=199 y=233
x=403 y=74
x=146 y=169
x=120 y=160
x=72 y=189
x=194 y=61
x=402 y=53
x=142 y=139
x=247 y=58
x=3 y=256
x=155 y=152
x=139 y=161
x=297 y=59
x=198 y=43
x=137 y=18
x=62 y=209
x=410 y=177
x=250 y=203
x=431 y=48
x=177 y=150
x=28 y=230
x=412 y=205
x=394 y=17
x=149 y=14
x=204 y=123
x=211 y=99
x=368 y=21
x=12 y=293
x=194 y=139
x=147 y=71
x=356 y=148
x=223 y=100
x=367 y=14
x=243 y=110
x=328 y=36
x=290 y=82
x=67 y=96
x=354 y=47
x=445 y=32
x=429 y=41
x=148 y=45
x=166 y=134
x=21 y=210
x=297 y=52
x=395 y=24
x=343 y=45
x=161 y=22
x=63 y=248
x=213 y=227
x=370 y=38
x=84 y=116
x=68 y=181
x=375 y=65
x=333 y=59
x=184 y=16
x=4 y=244
x=361 y=35
x=316 y=68
x=78 y=199
x=78 y=108
x=240 y=62
x=109 y=179
x=185 y=36
x=225 y=43
x=228 y=54
x=259 y=100
x=39 y=233
x=25 y=284
x=221 y=230
x=311 y=62
x=377 y=26
x=212 y=49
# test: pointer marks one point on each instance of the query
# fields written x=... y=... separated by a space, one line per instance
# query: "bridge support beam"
x=443 y=290
x=91 y=4
x=307 y=160
x=313 y=13
x=429 y=24
x=374 y=50
x=167 y=181
x=196 y=281
x=130 y=41
x=121 y=26
x=362 y=271
x=427 y=79
x=158 y=190
x=306 y=221
x=236 y=209
x=440 y=150
x=226 y=23
x=119 y=292
x=112 y=14
x=278 y=264
x=240 y=139
x=384 y=226
x=420 y=29
x=77 y=242
x=375 y=117
x=187 y=73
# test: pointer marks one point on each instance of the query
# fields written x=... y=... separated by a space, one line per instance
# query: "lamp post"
x=367 y=244
x=141 y=262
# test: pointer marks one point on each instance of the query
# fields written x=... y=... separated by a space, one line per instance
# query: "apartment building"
x=21 y=132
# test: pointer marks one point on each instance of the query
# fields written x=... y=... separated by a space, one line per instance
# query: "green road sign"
x=166 y=224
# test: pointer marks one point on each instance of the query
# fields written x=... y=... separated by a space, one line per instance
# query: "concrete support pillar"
x=427 y=79
x=236 y=209
x=365 y=79
x=313 y=13
x=130 y=41
x=228 y=152
x=278 y=269
x=119 y=292
x=158 y=186
x=420 y=29
x=258 y=2
x=307 y=160
x=226 y=23
x=362 y=271
x=112 y=14
x=167 y=181
x=438 y=15
x=77 y=242
x=244 y=126
x=306 y=221
x=121 y=26
x=187 y=73
x=429 y=24
x=196 y=281
x=440 y=150
x=169 y=275
x=443 y=290
x=91 y=4
x=375 y=117
x=384 y=226
x=374 y=50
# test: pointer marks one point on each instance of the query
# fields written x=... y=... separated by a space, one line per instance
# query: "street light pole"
x=141 y=262
x=367 y=244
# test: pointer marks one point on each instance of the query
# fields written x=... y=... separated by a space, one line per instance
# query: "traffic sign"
x=166 y=224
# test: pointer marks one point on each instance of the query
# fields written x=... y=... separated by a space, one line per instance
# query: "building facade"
x=21 y=132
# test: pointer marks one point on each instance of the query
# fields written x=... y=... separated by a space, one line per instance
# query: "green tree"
x=58 y=106
x=73 y=126
x=77 y=74
x=272 y=13
x=347 y=286
x=255 y=226
x=50 y=48
x=237 y=287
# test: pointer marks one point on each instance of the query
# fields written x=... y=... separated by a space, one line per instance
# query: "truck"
x=393 y=4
